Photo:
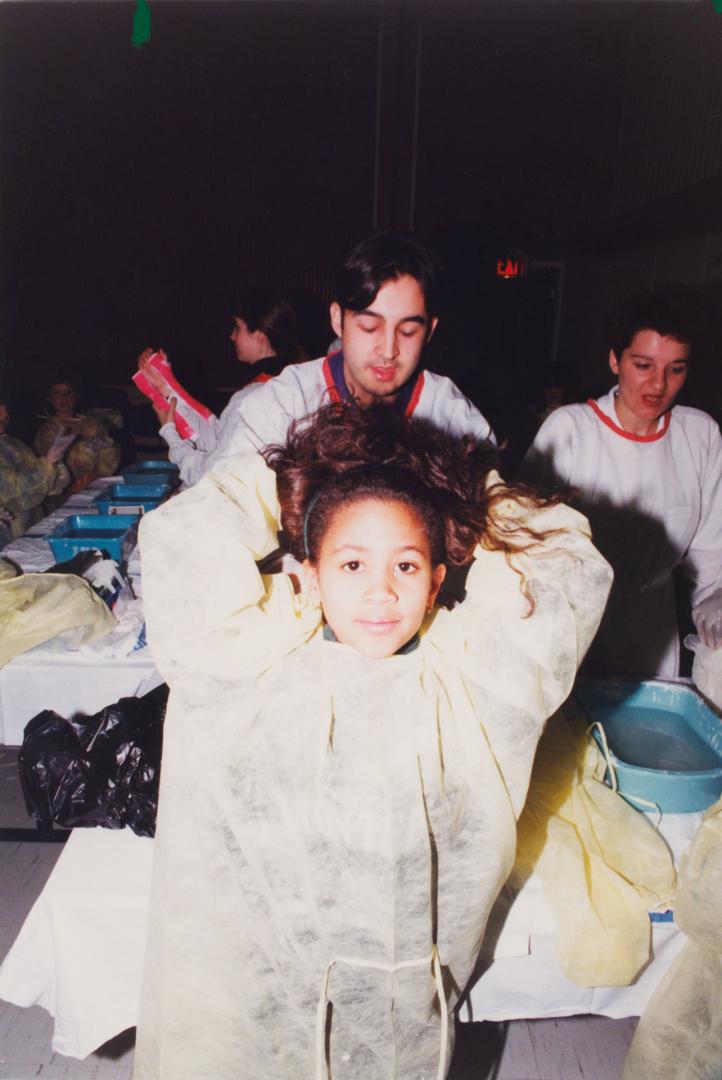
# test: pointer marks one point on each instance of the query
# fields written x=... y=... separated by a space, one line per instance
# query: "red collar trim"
x=333 y=393
x=414 y=399
x=335 y=396
x=654 y=437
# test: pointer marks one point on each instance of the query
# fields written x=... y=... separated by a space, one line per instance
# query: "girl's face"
x=62 y=400
x=374 y=576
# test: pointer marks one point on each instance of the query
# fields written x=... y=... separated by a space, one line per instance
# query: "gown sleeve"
x=45 y=434
x=208 y=609
x=25 y=479
x=188 y=456
x=193 y=458
x=518 y=653
x=703 y=559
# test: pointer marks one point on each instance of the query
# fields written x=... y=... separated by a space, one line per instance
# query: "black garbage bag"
x=95 y=770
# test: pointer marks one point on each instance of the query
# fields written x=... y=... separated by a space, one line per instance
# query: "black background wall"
x=252 y=142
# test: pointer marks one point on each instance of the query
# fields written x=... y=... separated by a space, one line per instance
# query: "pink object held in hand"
x=159 y=362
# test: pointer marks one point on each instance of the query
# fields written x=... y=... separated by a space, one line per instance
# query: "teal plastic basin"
x=665 y=741
x=82 y=531
x=150 y=472
x=130 y=498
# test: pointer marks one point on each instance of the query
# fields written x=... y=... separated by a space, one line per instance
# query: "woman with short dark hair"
x=648 y=475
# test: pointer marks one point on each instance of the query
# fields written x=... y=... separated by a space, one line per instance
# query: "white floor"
x=577 y=1048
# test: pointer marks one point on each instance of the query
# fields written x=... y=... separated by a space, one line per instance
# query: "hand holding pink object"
x=156 y=380
x=154 y=376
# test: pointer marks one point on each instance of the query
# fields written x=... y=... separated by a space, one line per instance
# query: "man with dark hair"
x=384 y=312
x=648 y=475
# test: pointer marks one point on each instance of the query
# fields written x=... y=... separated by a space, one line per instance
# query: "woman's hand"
x=165 y=416
x=154 y=377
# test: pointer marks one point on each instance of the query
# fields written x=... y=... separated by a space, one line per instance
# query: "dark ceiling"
x=251 y=142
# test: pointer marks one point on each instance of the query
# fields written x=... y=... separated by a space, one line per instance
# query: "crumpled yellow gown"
x=604 y=865
x=37 y=607
x=680 y=1034
x=333 y=830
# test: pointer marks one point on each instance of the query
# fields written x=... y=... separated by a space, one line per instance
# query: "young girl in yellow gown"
x=344 y=765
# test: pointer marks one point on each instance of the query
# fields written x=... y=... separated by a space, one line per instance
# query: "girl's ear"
x=310 y=579
x=437 y=577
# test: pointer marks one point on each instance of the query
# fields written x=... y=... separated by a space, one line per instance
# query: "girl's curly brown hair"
x=345 y=453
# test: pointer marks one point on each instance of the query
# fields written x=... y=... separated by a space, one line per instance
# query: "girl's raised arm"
x=520 y=648
x=208 y=608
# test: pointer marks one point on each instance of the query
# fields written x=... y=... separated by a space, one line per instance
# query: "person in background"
x=93 y=452
x=648 y=475
x=387 y=298
x=26 y=480
x=265 y=339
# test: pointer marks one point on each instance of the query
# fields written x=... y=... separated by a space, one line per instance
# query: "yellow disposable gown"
x=94 y=453
x=25 y=480
x=333 y=830
x=37 y=607
x=604 y=865
x=680 y=1034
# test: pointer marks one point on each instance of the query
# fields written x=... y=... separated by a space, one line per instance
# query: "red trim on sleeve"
x=414 y=399
x=654 y=437
x=330 y=384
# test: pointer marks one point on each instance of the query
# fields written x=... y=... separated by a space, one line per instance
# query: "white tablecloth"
x=69 y=681
x=80 y=951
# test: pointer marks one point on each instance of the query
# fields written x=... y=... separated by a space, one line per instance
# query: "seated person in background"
x=93 y=452
x=25 y=480
x=265 y=338
x=385 y=311
x=648 y=475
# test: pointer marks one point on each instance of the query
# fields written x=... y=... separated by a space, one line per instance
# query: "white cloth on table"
x=333 y=828
x=653 y=505
x=68 y=682
x=80 y=951
x=78 y=680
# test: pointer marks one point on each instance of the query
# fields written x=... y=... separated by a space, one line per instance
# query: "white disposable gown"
x=191 y=456
x=262 y=418
x=332 y=829
x=653 y=504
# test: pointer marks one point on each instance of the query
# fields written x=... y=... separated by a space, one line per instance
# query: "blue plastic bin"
x=152 y=472
x=131 y=498
x=665 y=741
x=109 y=532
